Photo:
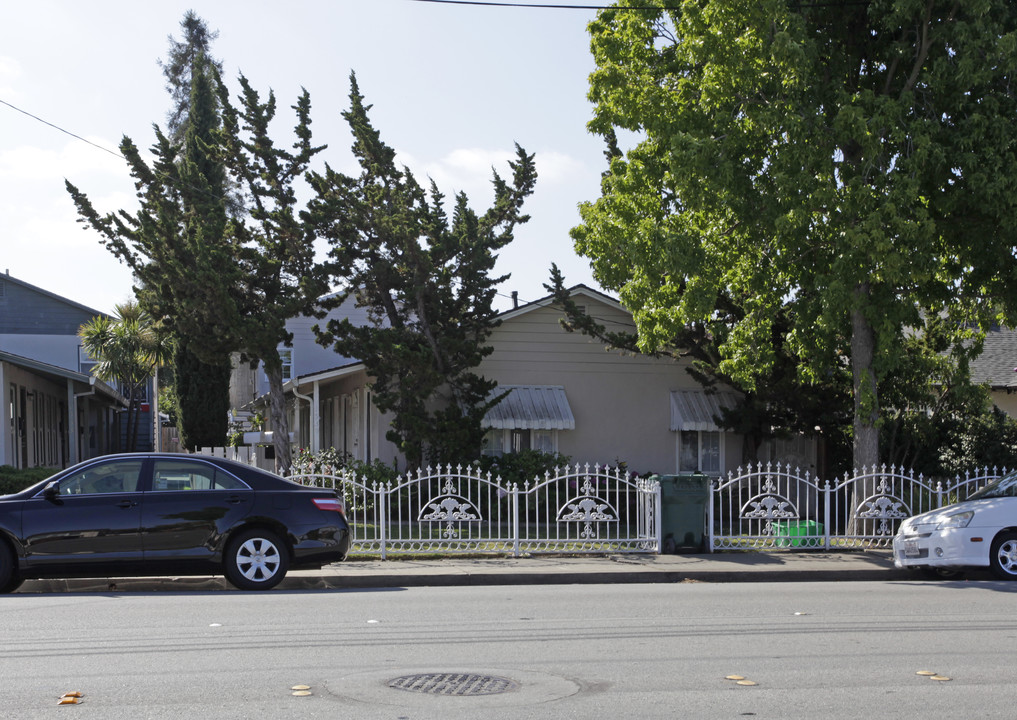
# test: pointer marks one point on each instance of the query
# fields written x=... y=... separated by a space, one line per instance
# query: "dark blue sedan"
x=169 y=514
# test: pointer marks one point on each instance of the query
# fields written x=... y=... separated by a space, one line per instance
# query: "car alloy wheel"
x=1003 y=559
x=256 y=560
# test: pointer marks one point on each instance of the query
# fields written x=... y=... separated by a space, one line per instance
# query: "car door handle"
x=127 y=504
x=235 y=499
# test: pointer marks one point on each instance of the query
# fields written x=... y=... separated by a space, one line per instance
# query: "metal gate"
x=459 y=510
x=775 y=507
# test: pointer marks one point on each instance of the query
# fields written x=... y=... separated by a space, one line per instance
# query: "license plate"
x=911 y=548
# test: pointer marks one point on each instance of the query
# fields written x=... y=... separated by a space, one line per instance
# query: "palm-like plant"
x=128 y=348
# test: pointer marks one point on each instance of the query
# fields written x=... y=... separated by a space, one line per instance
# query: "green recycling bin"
x=798 y=533
x=683 y=515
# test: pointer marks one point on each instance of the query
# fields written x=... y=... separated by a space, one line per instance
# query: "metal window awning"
x=699 y=410
x=531 y=407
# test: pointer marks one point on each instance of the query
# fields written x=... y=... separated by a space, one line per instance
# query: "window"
x=85 y=362
x=699 y=450
x=520 y=440
x=498 y=442
x=112 y=477
x=542 y=440
x=286 y=355
x=173 y=475
x=493 y=444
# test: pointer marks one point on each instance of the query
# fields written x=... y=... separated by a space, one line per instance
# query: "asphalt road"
x=840 y=650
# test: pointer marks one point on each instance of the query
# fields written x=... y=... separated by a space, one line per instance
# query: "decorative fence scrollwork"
x=580 y=509
x=584 y=509
x=773 y=506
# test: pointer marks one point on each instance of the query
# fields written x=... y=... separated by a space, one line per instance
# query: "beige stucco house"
x=567 y=394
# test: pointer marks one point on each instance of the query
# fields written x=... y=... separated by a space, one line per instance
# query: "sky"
x=453 y=88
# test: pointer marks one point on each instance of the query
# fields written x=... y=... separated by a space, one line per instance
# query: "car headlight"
x=958 y=520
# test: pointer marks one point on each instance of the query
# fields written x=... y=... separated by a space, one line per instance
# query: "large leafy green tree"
x=847 y=167
x=777 y=405
x=426 y=281
x=129 y=348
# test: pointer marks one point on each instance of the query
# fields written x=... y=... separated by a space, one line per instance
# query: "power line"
x=66 y=132
x=554 y=6
x=164 y=176
x=541 y=6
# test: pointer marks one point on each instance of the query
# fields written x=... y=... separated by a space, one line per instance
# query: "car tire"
x=10 y=579
x=1003 y=556
x=256 y=560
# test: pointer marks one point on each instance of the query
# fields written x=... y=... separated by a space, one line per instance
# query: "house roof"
x=8 y=278
x=548 y=301
x=699 y=410
x=531 y=407
x=329 y=373
x=997 y=365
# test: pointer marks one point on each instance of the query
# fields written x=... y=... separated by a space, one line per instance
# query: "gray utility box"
x=683 y=515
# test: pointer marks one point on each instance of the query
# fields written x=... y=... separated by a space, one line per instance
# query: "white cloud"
x=555 y=168
x=75 y=158
x=10 y=70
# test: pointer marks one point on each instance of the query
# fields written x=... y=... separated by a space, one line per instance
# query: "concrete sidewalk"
x=727 y=567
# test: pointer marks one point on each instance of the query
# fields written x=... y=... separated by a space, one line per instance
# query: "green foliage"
x=523 y=466
x=841 y=172
x=203 y=400
x=425 y=280
x=985 y=440
x=186 y=264
x=128 y=347
x=330 y=461
x=279 y=276
x=221 y=277
x=177 y=69
x=778 y=403
x=14 y=480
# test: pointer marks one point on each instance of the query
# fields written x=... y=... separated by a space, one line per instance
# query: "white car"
x=979 y=532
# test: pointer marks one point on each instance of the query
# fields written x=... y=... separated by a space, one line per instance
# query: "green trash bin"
x=683 y=515
x=798 y=533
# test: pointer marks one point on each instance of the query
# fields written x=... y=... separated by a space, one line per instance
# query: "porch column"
x=5 y=431
x=72 y=425
x=316 y=419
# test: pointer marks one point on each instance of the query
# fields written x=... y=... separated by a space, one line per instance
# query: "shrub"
x=522 y=466
x=14 y=480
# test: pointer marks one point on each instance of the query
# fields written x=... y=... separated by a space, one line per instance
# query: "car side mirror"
x=51 y=491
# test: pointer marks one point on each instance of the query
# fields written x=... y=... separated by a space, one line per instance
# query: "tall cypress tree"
x=185 y=261
x=178 y=69
x=279 y=277
x=427 y=280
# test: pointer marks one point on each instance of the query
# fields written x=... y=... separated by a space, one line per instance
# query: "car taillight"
x=331 y=504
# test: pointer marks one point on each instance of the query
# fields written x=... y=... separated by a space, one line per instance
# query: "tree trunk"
x=279 y=421
x=863 y=345
x=130 y=434
x=865 y=451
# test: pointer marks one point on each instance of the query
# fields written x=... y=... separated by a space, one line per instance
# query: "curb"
x=451 y=572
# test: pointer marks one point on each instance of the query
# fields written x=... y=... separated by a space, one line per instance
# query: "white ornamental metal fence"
x=774 y=507
x=579 y=509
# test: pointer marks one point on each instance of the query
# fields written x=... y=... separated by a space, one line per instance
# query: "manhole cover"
x=461 y=684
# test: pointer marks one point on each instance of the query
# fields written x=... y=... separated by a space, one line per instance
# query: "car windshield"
x=1005 y=486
